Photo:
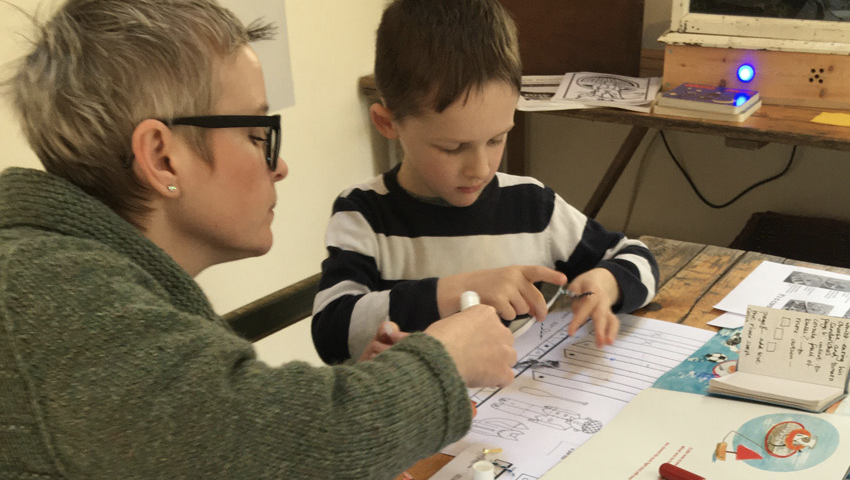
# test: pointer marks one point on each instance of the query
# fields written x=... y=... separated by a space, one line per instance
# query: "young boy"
x=405 y=245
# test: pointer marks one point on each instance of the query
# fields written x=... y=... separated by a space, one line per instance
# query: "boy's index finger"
x=539 y=273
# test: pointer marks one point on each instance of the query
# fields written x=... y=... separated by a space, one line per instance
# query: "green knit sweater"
x=113 y=365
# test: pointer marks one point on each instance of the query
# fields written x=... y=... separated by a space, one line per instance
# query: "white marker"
x=468 y=299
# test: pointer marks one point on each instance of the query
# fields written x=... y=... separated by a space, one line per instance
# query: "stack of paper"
x=587 y=90
x=786 y=287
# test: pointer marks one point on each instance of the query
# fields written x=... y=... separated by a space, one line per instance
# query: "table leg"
x=627 y=150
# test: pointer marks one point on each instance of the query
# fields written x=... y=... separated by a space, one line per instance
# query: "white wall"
x=12 y=44
x=327 y=143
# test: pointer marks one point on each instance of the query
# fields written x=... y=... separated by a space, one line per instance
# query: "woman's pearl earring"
x=172 y=188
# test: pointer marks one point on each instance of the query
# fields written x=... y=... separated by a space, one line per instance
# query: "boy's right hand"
x=481 y=347
x=510 y=290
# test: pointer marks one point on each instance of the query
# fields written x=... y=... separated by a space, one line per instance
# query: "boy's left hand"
x=596 y=307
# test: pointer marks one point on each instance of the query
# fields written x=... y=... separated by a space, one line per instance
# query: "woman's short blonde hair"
x=99 y=67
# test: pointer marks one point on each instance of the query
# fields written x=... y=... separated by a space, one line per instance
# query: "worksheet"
x=566 y=389
x=789 y=287
x=608 y=90
x=537 y=94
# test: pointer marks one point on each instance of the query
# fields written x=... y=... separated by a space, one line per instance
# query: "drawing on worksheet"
x=602 y=87
x=780 y=442
x=566 y=388
x=503 y=428
x=547 y=415
x=605 y=89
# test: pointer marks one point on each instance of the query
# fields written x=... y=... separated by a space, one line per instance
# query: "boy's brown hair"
x=429 y=53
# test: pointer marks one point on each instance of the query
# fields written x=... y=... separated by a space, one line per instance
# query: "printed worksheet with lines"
x=556 y=404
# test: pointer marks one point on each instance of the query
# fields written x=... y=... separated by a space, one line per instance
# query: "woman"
x=150 y=119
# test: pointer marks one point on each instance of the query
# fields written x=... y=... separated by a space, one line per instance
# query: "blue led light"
x=746 y=72
x=740 y=99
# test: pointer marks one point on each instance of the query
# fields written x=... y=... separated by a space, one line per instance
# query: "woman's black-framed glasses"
x=271 y=124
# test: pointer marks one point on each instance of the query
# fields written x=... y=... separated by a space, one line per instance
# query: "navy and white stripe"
x=387 y=249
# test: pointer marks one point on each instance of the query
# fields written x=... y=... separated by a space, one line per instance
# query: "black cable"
x=730 y=202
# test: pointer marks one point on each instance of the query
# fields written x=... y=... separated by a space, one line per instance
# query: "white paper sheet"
x=757 y=442
x=728 y=320
x=788 y=287
x=547 y=412
x=537 y=94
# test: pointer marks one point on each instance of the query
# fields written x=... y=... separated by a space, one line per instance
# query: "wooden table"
x=693 y=278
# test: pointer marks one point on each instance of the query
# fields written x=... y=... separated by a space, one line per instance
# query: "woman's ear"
x=152 y=144
x=383 y=120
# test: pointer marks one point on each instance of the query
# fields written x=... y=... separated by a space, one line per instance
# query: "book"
x=537 y=92
x=790 y=358
x=687 y=112
x=713 y=437
x=594 y=89
x=708 y=98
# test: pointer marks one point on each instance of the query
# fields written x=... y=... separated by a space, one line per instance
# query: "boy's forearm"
x=636 y=287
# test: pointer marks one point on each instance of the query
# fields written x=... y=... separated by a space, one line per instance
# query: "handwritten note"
x=795 y=345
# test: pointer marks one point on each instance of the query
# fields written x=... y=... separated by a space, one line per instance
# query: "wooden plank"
x=368 y=88
x=704 y=311
x=671 y=255
x=651 y=62
x=771 y=123
x=560 y=36
x=677 y=298
x=275 y=311
x=786 y=78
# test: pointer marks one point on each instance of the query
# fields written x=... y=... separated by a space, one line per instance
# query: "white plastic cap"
x=468 y=299
x=483 y=470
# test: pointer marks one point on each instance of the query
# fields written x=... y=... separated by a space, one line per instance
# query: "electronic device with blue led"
x=746 y=72
x=789 y=59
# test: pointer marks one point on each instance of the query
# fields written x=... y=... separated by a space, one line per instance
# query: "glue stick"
x=483 y=470
x=468 y=299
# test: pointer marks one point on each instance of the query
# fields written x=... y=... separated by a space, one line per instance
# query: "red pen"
x=668 y=471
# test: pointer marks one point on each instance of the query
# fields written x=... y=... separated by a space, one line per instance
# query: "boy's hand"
x=481 y=347
x=596 y=307
x=510 y=290
x=388 y=335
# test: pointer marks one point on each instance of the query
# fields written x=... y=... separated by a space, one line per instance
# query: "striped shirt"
x=387 y=249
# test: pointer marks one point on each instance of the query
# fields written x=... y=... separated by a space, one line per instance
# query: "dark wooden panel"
x=560 y=36
x=275 y=311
